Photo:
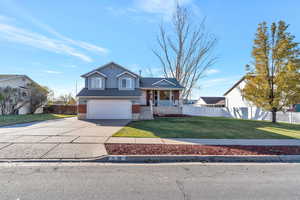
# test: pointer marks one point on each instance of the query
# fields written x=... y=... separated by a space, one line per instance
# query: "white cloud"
x=120 y=10
x=81 y=44
x=19 y=35
x=59 y=44
x=162 y=7
x=25 y=15
x=52 y=72
x=212 y=71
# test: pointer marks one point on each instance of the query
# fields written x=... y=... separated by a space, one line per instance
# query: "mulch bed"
x=173 y=149
x=172 y=115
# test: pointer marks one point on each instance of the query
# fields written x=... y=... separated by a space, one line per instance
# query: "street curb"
x=209 y=158
x=168 y=159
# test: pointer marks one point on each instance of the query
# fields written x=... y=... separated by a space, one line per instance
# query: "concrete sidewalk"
x=245 y=142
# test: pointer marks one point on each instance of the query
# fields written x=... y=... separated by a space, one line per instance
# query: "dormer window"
x=126 y=83
x=96 y=83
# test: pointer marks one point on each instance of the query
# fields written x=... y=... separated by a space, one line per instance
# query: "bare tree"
x=11 y=100
x=185 y=53
x=67 y=99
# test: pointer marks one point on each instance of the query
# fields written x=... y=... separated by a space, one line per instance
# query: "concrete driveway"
x=67 y=138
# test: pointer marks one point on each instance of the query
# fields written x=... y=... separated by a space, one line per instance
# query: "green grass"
x=209 y=127
x=18 y=119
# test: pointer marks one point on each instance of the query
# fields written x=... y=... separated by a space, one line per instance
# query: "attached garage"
x=109 y=109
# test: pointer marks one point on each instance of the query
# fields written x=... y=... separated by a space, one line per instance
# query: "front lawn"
x=209 y=127
x=18 y=119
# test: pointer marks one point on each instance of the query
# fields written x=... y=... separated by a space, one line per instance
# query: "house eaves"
x=94 y=72
x=164 y=80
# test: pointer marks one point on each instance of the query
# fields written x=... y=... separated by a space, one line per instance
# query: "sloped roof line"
x=110 y=63
x=163 y=80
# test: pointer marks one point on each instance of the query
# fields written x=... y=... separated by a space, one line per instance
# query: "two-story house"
x=21 y=82
x=114 y=92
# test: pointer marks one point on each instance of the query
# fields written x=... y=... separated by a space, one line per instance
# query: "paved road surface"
x=130 y=182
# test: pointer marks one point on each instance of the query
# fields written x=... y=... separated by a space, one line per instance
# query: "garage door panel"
x=109 y=109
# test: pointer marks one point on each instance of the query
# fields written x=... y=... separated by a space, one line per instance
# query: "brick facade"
x=136 y=108
x=82 y=108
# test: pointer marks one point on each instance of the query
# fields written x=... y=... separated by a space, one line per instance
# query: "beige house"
x=16 y=81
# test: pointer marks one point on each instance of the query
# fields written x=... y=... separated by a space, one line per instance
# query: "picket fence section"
x=240 y=113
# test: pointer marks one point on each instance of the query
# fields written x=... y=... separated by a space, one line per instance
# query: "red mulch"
x=173 y=149
x=172 y=115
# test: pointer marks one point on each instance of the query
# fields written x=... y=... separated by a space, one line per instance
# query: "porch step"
x=145 y=113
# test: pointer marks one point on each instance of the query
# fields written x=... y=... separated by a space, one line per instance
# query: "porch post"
x=158 y=97
x=151 y=101
x=170 y=98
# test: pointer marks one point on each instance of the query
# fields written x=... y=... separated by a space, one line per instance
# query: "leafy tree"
x=50 y=96
x=273 y=79
x=37 y=96
x=185 y=50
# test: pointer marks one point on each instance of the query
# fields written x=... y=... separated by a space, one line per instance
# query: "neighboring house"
x=189 y=101
x=17 y=81
x=114 y=92
x=211 y=101
x=233 y=96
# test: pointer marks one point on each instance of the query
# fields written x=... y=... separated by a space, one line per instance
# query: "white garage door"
x=109 y=109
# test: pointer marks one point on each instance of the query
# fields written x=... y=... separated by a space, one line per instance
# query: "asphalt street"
x=152 y=181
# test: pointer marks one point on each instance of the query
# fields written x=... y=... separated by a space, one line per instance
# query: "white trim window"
x=96 y=83
x=126 y=83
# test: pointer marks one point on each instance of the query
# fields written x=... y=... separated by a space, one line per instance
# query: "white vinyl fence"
x=240 y=113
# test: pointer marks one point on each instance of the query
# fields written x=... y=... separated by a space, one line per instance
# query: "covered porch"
x=160 y=97
x=161 y=102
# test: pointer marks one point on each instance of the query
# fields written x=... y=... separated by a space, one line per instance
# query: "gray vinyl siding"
x=112 y=72
x=89 y=81
x=126 y=76
x=111 y=81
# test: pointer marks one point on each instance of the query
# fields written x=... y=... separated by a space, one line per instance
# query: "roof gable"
x=7 y=77
x=164 y=82
x=160 y=83
x=111 y=64
x=95 y=72
x=234 y=86
x=127 y=72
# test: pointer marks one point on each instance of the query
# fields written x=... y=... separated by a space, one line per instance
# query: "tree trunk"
x=274 y=115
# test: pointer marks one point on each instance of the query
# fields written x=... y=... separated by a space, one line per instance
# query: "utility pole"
x=75 y=87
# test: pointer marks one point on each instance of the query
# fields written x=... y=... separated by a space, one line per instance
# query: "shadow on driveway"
x=108 y=122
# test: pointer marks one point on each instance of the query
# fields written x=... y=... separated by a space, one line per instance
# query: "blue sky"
x=55 y=41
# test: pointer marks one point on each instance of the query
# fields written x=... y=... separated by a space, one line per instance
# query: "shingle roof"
x=214 y=100
x=8 y=76
x=110 y=92
x=111 y=63
x=5 y=77
x=148 y=83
